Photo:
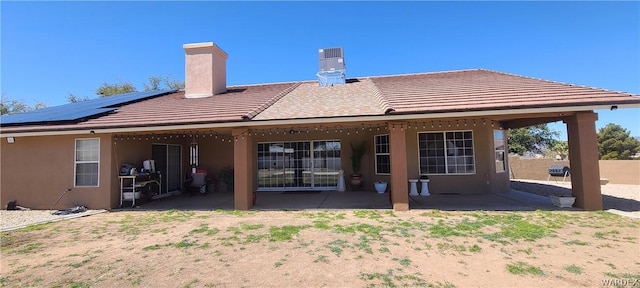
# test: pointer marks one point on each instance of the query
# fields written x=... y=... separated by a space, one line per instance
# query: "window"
x=383 y=162
x=87 y=162
x=498 y=142
x=299 y=164
x=446 y=153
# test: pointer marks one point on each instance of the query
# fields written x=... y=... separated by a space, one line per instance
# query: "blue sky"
x=52 y=49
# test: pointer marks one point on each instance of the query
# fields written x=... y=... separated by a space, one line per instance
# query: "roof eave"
x=318 y=121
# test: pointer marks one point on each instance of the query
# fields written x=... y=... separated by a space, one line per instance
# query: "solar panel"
x=79 y=110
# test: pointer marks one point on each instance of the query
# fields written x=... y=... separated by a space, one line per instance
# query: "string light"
x=348 y=130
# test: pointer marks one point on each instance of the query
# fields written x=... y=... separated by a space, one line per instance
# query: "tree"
x=531 y=139
x=12 y=106
x=155 y=83
x=561 y=149
x=614 y=143
x=114 y=89
x=74 y=99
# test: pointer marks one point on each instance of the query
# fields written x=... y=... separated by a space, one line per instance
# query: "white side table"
x=425 y=187
x=414 y=187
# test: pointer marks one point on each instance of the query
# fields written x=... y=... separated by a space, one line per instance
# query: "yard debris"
x=13 y=205
x=77 y=209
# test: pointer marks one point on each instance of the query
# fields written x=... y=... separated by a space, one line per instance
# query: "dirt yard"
x=419 y=248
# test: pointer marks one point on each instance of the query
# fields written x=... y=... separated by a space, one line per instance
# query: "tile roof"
x=473 y=90
x=234 y=105
x=172 y=109
x=310 y=100
x=467 y=90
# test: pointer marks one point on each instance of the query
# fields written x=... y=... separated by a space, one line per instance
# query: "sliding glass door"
x=298 y=165
x=167 y=159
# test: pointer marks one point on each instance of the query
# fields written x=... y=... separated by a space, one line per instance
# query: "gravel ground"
x=14 y=219
x=615 y=196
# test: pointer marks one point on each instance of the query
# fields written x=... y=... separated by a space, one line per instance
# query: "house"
x=450 y=126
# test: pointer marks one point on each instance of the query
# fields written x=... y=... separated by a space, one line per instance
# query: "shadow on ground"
x=512 y=200
x=608 y=201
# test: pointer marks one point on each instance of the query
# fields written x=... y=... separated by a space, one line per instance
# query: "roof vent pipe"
x=205 y=70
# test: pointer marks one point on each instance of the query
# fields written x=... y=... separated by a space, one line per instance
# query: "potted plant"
x=380 y=186
x=226 y=177
x=356 y=161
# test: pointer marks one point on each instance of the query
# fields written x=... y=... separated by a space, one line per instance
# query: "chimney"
x=205 y=70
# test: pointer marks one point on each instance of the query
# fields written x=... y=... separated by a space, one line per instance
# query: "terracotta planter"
x=356 y=181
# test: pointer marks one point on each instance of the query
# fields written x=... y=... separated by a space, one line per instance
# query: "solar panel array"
x=79 y=110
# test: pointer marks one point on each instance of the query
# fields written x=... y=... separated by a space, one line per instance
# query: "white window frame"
x=445 y=147
x=500 y=151
x=76 y=162
x=375 y=150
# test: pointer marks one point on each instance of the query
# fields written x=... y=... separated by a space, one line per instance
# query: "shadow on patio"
x=512 y=200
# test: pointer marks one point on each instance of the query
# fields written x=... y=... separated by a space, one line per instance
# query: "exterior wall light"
x=11 y=140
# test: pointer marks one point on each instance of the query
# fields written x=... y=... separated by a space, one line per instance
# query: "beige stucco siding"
x=37 y=170
x=41 y=168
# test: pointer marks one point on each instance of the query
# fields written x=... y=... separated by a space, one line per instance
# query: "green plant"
x=356 y=156
x=226 y=177
x=573 y=269
x=284 y=233
x=521 y=268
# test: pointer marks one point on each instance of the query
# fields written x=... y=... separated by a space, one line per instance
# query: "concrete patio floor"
x=512 y=200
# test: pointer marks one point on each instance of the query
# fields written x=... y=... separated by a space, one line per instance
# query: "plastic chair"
x=198 y=183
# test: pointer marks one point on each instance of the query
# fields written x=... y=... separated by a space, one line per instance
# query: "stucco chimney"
x=205 y=70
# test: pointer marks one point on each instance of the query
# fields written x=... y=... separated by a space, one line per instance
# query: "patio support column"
x=242 y=169
x=399 y=174
x=583 y=158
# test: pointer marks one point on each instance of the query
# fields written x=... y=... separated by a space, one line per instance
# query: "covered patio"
x=512 y=200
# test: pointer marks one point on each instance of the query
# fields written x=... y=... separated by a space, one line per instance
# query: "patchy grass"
x=364 y=244
x=391 y=279
x=443 y=230
x=363 y=228
x=284 y=233
x=337 y=246
x=573 y=269
x=405 y=262
x=605 y=235
x=522 y=268
x=367 y=214
x=35 y=227
x=185 y=244
x=576 y=242
x=378 y=241
x=475 y=248
x=152 y=247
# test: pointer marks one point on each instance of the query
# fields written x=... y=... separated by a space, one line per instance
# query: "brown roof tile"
x=485 y=90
